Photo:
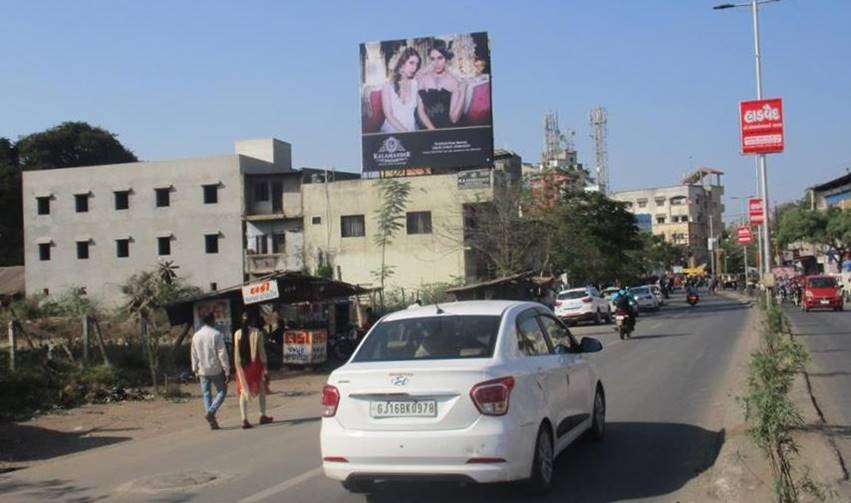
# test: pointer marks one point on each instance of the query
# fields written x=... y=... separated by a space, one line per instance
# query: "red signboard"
x=756 y=212
x=744 y=235
x=761 y=124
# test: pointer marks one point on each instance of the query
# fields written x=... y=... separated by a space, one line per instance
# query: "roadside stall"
x=298 y=310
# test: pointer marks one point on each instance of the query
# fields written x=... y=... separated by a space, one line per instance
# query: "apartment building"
x=219 y=219
x=686 y=214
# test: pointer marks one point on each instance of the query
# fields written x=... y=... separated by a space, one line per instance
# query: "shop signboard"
x=426 y=103
x=475 y=179
x=260 y=291
x=221 y=312
x=744 y=235
x=756 y=211
x=305 y=347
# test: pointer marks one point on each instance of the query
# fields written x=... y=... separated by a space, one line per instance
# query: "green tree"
x=389 y=218
x=830 y=229
x=69 y=145
x=657 y=254
x=11 y=216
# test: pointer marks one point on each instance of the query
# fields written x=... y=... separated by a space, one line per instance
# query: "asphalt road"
x=827 y=337
x=664 y=431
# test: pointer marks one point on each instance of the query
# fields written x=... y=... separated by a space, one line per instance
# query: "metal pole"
x=745 y=252
x=711 y=244
x=12 y=345
x=763 y=175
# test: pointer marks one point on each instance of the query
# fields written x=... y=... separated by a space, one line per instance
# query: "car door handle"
x=568 y=379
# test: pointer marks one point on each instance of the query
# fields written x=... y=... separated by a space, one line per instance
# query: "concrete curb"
x=741 y=473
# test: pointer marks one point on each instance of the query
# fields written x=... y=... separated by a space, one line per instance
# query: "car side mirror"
x=590 y=345
x=561 y=349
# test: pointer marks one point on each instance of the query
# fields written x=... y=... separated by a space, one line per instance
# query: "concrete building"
x=686 y=214
x=217 y=218
x=340 y=229
x=836 y=192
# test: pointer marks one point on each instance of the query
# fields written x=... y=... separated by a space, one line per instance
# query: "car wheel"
x=359 y=486
x=541 y=480
x=598 y=318
x=598 y=422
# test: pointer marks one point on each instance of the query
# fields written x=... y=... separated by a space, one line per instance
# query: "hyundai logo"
x=399 y=381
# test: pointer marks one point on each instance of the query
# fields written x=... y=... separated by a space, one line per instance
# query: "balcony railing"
x=268 y=263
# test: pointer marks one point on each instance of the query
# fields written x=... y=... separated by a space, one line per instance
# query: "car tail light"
x=492 y=397
x=587 y=300
x=330 y=400
x=808 y=293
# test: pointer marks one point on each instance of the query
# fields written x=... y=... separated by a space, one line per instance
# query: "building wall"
x=187 y=219
x=417 y=258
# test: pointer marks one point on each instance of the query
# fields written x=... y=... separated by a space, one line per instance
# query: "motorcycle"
x=624 y=324
x=692 y=299
x=343 y=344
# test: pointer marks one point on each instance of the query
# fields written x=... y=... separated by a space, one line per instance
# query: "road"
x=664 y=431
x=827 y=337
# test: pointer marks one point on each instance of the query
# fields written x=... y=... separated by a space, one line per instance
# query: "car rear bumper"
x=445 y=454
x=817 y=304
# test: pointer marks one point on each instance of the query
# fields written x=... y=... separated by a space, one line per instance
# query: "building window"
x=627 y=205
x=43 y=205
x=164 y=245
x=214 y=286
x=278 y=243
x=122 y=199
x=660 y=220
x=660 y=201
x=81 y=201
x=211 y=243
x=419 y=222
x=352 y=226
x=261 y=191
x=316 y=220
x=642 y=203
x=163 y=197
x=261 y=244
x=678 y=200
x=82 y=250
x=211 y=194
x=122 y=248
x=44 y=251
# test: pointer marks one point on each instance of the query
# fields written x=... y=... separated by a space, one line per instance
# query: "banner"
x=744 y=235
x=426 y=103
x=221 y=312
x=761 y=126
x=259 y=292
x=756 y=211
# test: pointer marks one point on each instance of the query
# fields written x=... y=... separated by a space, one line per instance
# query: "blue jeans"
x=211 y=406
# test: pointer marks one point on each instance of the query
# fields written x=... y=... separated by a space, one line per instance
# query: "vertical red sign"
x=744 y=235
x=761 y=126
x=756 y=211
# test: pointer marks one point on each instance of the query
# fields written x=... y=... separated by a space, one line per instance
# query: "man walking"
x=210 y=363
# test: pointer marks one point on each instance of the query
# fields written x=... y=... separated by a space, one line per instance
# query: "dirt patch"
x=97 y=425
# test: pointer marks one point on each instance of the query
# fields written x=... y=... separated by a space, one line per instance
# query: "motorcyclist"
x=622 y=302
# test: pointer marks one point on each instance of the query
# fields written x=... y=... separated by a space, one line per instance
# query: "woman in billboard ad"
x=400 y=99
x=442 y=94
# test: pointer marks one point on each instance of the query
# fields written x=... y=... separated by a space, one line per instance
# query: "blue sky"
x=186 y=79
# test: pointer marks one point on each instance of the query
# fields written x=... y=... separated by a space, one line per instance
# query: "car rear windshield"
x=640 y=291
x=575 y=294
x=446 y=337
x=822 y=283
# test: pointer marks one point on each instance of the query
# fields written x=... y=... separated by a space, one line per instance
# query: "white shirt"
x=403 y=112
x=209 y=356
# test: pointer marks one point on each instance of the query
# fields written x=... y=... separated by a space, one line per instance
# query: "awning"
x=293 y=287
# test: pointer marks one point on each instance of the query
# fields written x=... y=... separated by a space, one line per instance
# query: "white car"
x=582 y=304
x=644 y=297
x=481 y=391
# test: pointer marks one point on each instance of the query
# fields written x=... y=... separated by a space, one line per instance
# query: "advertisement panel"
x=761 y=126
x=426 y=103
x=221 y=312
x=756 y=213
x=259 y=292
x=744 y=235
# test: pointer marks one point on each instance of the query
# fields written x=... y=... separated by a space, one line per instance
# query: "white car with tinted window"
x=645 y=297
x=582 y=304
x=481 y=391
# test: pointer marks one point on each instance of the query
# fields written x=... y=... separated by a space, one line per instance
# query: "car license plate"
x=403 y=408
x=825 y=301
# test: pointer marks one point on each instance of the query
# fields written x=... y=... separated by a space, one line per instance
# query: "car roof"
x=463 y=308
x=578 y=289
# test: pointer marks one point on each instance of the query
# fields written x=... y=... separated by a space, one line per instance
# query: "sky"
x=186 y=79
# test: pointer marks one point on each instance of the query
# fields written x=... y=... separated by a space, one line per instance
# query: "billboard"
x=426 y=103
x=761 y=126
x=756 y=211
x=744 y=235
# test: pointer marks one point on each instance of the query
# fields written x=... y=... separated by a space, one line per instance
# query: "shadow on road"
x=21 y=442
x=658 y=336
x=636 y=460
x=44 y=490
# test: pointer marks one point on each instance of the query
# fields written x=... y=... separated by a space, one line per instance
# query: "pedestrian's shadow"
x=635 y=460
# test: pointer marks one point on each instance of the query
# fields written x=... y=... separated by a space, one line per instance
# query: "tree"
x=69 y=145
x=830 y=229
x=148 y=292
x=657 y=254
x=390 y=218
x=11 y=212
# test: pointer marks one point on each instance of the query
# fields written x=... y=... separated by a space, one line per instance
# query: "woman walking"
x=250 y=361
